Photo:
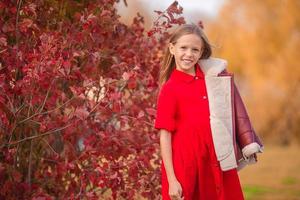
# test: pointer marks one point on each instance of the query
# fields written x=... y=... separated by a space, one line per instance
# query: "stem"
x=12 y=132
x=17 y=37
x=148 y=123
x=16 y=156
x=30 y=164
x=46 y=97
x=80 y=191
x=49 y=146
x=10 y=103
x=47 y=112
x=37 y=136
x=2 y=52
x=19 y=109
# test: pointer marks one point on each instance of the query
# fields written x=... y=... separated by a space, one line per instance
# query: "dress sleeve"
x=166 y=108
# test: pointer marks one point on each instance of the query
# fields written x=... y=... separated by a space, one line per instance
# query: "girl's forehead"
x=190 y=39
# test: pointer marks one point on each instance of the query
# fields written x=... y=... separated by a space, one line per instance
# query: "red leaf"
x=116 y=107
x=200 y=24
x=132 y=83
x=115 y=96
x=151 y=111
x=105 y=13
x=126 y=76
x=81 y=113
x=175 y=8
x=25 y=24
x=141 y=114
x=3 y=41
x=13 y=10
x=158 y=12
x=16 y=176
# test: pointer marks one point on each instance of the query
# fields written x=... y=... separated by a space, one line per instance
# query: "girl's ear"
x=171 y=48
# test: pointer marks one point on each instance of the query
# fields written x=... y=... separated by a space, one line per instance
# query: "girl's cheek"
x=182 y=50
x=197 y=54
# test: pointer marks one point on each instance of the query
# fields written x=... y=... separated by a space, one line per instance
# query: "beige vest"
x=220 y=107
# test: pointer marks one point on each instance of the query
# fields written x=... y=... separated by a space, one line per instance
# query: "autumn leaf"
x=151 y=111
x=3 y=41
x=81 y=113
x=25 y=25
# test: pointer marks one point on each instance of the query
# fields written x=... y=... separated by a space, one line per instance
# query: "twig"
x=11 y=133
x=50 y=111
x=46 y=97
x=41 y=135
x=16 y=156
x=50 y=160
x=30 y=104
x=49 y=146
x=2 y=52
x=148 y=123
x=30 y=164
x=10 y=102
x=20 y=108
x=17 y=36
x=80 y=191
x=47 y=112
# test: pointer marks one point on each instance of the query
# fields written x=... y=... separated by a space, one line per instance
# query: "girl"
x=205 y=132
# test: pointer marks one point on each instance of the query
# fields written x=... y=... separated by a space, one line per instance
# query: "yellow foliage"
x=261 y=40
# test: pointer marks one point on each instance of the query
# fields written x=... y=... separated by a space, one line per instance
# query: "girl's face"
x=187 y=51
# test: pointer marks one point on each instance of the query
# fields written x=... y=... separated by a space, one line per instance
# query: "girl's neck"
x=191 y=72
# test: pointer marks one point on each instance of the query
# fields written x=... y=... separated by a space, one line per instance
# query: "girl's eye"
x=196 y=50
x=183 y=47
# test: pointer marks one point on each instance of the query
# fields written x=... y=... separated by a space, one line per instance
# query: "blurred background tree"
x=261 y=40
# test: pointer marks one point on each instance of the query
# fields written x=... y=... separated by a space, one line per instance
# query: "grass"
x=276 y=176
x=254 y=191
x=289 y=180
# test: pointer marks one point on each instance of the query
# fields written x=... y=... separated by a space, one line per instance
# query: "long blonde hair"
x=168 y=63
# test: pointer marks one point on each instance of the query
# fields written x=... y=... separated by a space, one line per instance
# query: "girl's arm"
x=175 y=189
x=166 y=153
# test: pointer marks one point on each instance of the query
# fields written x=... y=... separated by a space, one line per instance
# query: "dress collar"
x=182 y=76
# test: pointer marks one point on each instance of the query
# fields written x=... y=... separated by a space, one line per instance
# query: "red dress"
x=183 y=110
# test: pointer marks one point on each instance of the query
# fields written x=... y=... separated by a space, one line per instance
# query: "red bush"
x=77 y=100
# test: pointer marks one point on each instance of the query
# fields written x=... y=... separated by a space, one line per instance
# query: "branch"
x=19 y=109
x=50 y=111
x=148 y=123
x=30 y=164
x=17 y=36
x=11 y=133
x=47 y=112
x=11 y=104
x=46 y=97
x=49 y=146
x=37 y=136
x=80 y=191
x=2 y=52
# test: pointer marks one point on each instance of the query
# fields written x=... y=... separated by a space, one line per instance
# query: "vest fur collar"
x=212 y=66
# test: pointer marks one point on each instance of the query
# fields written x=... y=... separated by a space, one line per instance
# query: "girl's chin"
x=188 y=64
x=187 y=67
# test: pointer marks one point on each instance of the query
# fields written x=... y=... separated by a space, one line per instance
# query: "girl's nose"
x=189 y=52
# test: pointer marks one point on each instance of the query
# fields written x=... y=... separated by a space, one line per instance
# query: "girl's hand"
x=175 y=190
